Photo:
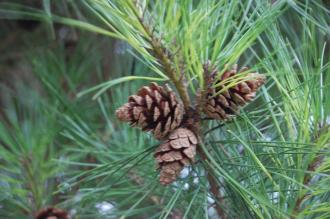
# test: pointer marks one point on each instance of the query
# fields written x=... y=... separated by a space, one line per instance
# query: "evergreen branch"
x=268 y=140
x=194 y=114
x=161 y=54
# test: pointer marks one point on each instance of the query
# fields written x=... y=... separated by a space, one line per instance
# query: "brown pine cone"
x=52 y=213
x=176 y=152
x=154 y=108
x=226 y=104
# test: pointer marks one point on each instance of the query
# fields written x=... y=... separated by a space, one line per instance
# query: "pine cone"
x=52 y=213
x=154 y=108
x=176 y=152
x=227 y=103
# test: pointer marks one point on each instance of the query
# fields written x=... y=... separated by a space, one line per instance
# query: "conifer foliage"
x=173 y=127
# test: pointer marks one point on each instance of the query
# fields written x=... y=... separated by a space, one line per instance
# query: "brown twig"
x=307 y=178
x=316 y=162
x=201 y=101
x=215 y=189
x=166 y=62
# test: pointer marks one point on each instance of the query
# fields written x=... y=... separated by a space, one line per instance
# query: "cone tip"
x=260 y=78
x=122 y=113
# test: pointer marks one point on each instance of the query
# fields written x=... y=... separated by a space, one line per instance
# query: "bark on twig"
x=161 y=54
x=307 y=178
x=315 y=163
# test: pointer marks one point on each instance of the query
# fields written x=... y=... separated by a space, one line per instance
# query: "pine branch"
x=160 y=53
x=194 y=114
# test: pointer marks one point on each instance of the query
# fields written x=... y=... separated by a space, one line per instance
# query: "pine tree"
x=176 y=126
